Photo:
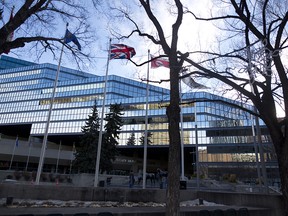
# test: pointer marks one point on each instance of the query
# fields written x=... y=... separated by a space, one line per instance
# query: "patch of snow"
x=27 y=203
x=196 y=202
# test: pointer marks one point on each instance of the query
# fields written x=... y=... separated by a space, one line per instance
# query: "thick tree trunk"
x=283 y=170
x=173 y=113
x=280 y=143
x=173 y=193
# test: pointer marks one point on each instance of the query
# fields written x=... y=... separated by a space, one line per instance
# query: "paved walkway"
x=121 y=211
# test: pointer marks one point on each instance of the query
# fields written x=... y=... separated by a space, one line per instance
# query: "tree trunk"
x=279 y=139
x=280 y=143
x=173 y=113
x=283 y=170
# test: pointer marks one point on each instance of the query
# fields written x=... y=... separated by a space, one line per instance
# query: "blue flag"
x=71 y=37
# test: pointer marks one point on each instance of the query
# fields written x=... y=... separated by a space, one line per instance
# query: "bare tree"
x=173 y=109
x=255 y=68
x=250 y=63
x=39 y=26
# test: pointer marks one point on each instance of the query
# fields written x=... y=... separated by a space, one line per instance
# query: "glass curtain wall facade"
x=226 y=143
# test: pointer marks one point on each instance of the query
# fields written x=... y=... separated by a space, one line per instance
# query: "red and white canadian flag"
x=159 y=62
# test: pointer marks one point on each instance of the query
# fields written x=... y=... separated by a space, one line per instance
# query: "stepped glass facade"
x=222 y=133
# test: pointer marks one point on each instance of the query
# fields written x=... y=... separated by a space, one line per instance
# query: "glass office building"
x=225 y=139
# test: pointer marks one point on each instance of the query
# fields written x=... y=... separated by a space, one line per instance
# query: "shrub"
x=258 y=181
x=33 y=174
x=17 y=175
x=232 y=178
x=69 y=179
x=60 y=178
x=226 y=176
x=27 y=176
x=52 y=177
x=9 y=177
x=202 y=176
x=44 y=177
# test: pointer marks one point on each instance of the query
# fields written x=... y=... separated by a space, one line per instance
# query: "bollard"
x=121 y=199
x=101 y=183
x=183 y=185
x=9 y=201
x=201 y=201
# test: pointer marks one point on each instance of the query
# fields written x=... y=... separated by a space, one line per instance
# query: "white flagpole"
x=43 y=149
x=258 y=131
x=12 y=157
x=146 y=126
x=58 y=156
x=182 y=134
x=102 y=119
x=71 y=159
x=29 y=152
x=196 y=145
x=256 y=148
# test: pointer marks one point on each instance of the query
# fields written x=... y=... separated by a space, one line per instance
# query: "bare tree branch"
x=34 y=22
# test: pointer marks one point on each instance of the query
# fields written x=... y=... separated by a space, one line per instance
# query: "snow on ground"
x=27 y=203
x=196 y=202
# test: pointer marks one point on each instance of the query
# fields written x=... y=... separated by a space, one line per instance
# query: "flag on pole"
x=10 y=36
x=121 y=51
x=67 y=38
x=71 y=37
x=159 y=62
x=189 y=81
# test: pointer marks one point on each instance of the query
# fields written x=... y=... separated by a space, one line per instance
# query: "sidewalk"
x=120 y=211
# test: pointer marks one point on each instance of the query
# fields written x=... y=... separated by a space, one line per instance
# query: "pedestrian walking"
x=131 y=179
